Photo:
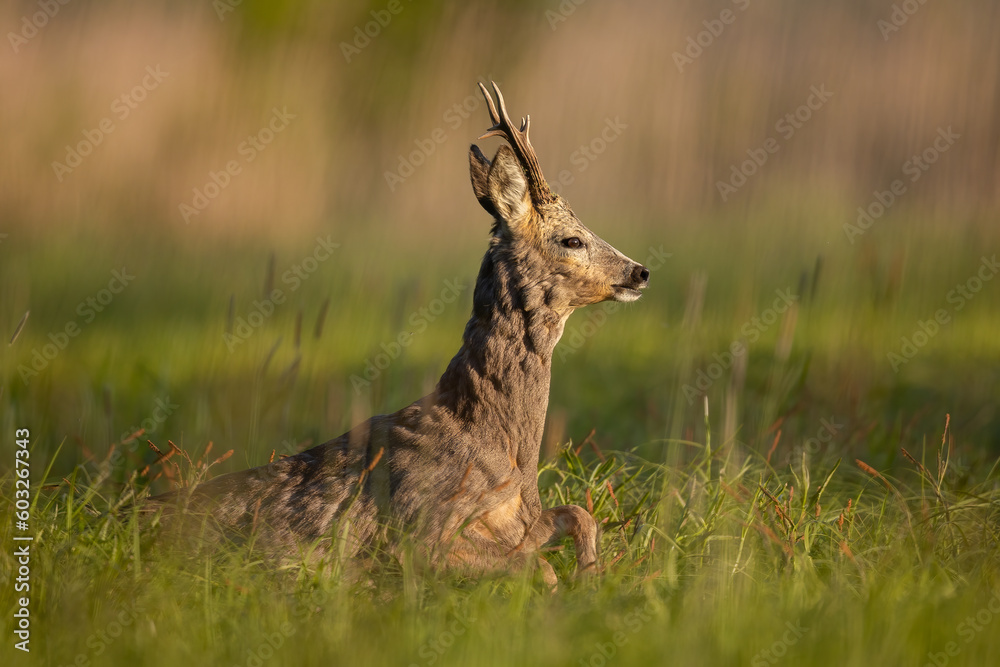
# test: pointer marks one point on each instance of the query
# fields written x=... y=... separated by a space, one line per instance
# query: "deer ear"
x=507 y=187
x=479 y=170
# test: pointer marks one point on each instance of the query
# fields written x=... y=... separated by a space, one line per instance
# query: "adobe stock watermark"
x=33 y=23
x=714 y=28
x=573 y=340
x=163 y=408
x=271 y=642
x=779 y=649
x=901 y=13
x=363 y=35
x=87 y=310
x=452 y=119
x=562 y=12
x=223 y=7
x=828 y=430
x=268 y=646
x=750 y=332
x=419 y=320
x=121 y=108
x=294 y=277
x=915 y=168
x=434 y=648
x=786 y=127
x=958 y=297
x=248 y=149
x=967 y=630
x=20 y=559
x=634 y=621
x=100 y=640
x=587 y=153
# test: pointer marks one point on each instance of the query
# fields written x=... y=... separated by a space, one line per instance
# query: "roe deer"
x=458 y=468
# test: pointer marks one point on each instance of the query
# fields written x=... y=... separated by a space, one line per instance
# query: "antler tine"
x=502 y=127
x=525 y=120
x=519 y=141
x=503 y=105
x=494 y=116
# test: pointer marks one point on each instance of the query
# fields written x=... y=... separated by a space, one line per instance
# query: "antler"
x=518 y=140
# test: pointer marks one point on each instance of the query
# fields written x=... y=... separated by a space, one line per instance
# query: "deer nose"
x=640 y=275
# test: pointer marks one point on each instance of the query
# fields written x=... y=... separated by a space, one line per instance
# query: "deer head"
x=573 y=266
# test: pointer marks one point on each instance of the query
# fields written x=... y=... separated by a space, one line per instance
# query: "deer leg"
x=555 y=523
x=548 y=574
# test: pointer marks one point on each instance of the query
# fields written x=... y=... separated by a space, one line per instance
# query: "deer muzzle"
x=637 y=278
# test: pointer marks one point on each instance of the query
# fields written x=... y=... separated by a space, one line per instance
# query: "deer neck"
x=499 y=380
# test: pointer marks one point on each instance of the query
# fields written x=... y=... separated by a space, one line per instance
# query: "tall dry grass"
x=604 y=61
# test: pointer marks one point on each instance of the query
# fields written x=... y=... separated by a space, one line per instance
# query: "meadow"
x=769 y=516
x=230 y=231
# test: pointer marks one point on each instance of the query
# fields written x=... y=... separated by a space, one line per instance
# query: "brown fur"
x=458 y=468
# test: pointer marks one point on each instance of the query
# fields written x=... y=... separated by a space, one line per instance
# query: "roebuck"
x=458 y=468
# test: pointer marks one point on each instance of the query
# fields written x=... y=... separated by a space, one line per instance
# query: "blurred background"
x=847 y=154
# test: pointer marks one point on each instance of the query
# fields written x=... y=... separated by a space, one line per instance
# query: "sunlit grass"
x=751 y=535
x=720 y=559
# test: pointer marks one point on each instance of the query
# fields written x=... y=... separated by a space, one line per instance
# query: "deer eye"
x=572 y=242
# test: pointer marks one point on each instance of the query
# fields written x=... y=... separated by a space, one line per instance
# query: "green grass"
x=725 y=535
